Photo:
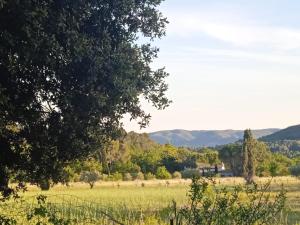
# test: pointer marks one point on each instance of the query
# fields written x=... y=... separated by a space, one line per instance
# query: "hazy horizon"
x=232 y=65
x=207 y=129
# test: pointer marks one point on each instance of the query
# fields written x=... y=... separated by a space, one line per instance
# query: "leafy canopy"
x=69 y=71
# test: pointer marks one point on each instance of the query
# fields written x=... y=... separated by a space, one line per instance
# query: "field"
x=140 y=202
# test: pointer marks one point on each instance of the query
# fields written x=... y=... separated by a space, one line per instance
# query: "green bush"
x=163 y=173
x=116 y=176
x=149 y=176
x=176 y=175
x=243 y=205
x=190 y=173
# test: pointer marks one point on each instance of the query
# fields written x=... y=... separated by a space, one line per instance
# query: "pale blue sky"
x=233 y=64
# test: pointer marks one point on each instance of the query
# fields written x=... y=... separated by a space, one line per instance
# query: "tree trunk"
x=44 y=185
x=91 y=185
x=4 y=181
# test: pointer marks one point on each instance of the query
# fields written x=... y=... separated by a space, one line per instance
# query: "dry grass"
x=132 y=200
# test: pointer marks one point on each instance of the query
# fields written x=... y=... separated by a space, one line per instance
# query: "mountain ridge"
x=289 y=133
x=204 y=138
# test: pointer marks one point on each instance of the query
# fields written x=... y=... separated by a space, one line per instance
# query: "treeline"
x=289 y=148
x=137 y=157
x=267 y=163
x=276 y=158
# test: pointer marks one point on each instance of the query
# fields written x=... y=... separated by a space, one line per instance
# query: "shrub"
x=90 y=177
x=127 y=177
x=190 y=173
x=139 y=176
x=116 y=176
x=149 y=176
x=209 y=204
x=163 y=173
x=176 y=175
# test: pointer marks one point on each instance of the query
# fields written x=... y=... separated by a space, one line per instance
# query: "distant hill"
x=290 y=133
x=202 y=138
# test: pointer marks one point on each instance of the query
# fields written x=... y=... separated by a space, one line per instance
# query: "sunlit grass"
x=136 y=201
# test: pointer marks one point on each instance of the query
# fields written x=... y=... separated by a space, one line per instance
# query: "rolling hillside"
x=290 y=133
x=201 y=138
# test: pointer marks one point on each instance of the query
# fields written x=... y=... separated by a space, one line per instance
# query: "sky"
x=233 y=64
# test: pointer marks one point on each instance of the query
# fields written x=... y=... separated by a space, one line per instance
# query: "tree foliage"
x=163 y=173
x=69 y=72
x=231 y=155
x=249 y=156
x=90 y=177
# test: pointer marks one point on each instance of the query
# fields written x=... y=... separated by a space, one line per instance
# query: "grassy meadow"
x=134 y=202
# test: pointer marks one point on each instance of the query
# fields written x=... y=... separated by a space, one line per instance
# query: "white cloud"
x=185 y=55
x=241 y=34
x=245 y=55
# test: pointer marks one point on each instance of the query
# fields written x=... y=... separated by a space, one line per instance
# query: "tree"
x=248 y=156
x=211 y=156
x=163 y=173
x=70 y=70
x=90 y=177
x=231 y=155
x=90 y=171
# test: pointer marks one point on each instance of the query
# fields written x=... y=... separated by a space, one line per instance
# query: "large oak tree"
x=69 y=71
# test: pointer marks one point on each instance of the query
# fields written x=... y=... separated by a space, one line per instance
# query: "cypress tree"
x=248 y=156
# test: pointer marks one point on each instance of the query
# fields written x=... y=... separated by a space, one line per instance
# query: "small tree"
x=90 y=177
x=248 y=157
x=163 y=173
x=211 y=156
